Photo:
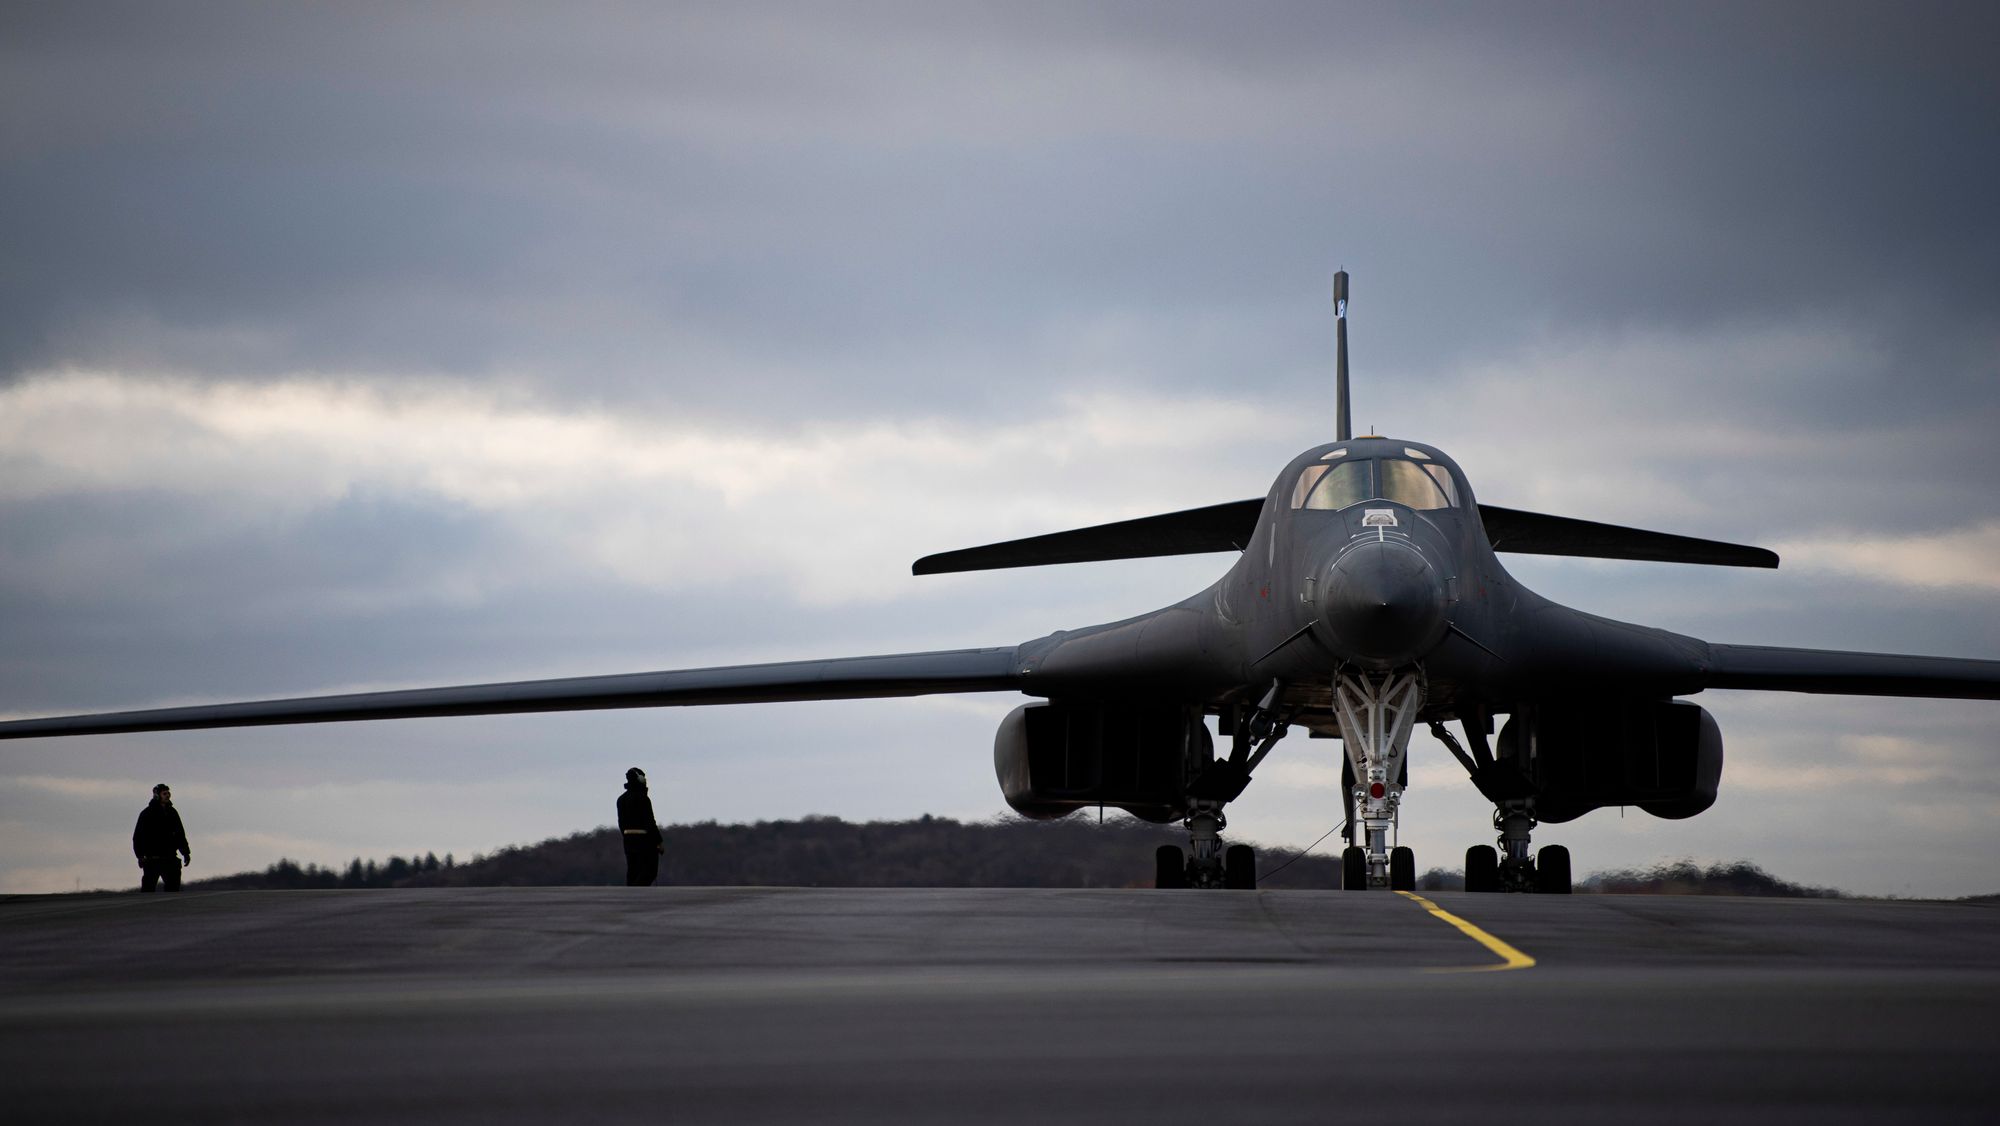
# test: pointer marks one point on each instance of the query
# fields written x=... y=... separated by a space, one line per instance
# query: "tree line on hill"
x=925 y=852
x=286 y=873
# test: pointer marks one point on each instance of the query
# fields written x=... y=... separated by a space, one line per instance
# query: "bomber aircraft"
x=1367 y=598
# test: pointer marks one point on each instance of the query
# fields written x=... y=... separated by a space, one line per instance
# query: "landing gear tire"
x=1552 y=870
x=1402 y=869
x=1482 y=868
x=1169 y=867
x=1239 y=868
x=1353 y=869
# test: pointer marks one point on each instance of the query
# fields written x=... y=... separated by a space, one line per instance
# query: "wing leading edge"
x=1842 y=673
x=845 y=678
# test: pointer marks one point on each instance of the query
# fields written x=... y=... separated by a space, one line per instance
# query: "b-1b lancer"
x=1367 y=598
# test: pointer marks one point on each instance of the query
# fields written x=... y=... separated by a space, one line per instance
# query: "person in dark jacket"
x=155 y=840
x=643 y=845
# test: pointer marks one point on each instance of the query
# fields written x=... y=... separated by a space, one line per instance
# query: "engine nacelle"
x=1057 y=757
x=1664 y=756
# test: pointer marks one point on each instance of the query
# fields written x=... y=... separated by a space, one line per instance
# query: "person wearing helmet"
x=643 y=844
x=155 y=840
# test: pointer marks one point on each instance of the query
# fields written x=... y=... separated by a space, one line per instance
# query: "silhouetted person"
x=155 y=840
x=643 y=844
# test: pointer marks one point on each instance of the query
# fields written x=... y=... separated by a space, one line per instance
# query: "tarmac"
x=769 y=1005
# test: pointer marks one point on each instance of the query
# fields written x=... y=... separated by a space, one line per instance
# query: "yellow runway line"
x=1512 y=959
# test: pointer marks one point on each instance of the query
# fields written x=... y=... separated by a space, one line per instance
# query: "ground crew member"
x=156 y=838
x=643 y=845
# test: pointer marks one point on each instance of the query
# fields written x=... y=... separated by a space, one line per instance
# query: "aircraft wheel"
x=1239 y=868
x=1169 y=867
x=1482 y=868
x=1353 y=869
x=1552 y=870
x=1402 y=869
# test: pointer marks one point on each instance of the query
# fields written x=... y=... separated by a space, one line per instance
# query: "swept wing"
x=1534 y=533
x=1229 y=526
x=1843 y=673
x=845 y=678
x=1194 y=531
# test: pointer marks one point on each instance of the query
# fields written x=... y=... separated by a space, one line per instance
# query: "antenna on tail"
x=1343 y=429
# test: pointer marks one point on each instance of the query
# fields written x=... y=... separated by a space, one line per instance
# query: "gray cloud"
x=838 y=200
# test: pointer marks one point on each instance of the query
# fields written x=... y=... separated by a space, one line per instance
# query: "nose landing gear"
x=1402 y=869
x=1376 y=715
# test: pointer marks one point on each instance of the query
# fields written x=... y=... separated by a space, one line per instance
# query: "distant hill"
x=926 y=852
x=811 y=852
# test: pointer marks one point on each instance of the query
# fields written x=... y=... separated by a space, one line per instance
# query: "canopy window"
x=1418 y=485
x=1443 y=478
x=1336 y=486
x=1307 y=480
x=1406 y=482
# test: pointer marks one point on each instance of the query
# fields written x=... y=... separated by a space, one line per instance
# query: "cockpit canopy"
x=1343 y=479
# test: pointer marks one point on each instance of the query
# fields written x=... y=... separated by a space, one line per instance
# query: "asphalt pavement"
x=767 y=1005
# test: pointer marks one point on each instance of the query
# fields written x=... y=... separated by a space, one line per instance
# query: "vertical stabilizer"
x=1344 y=429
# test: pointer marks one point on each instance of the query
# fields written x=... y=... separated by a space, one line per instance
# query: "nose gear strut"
x=1376 y=714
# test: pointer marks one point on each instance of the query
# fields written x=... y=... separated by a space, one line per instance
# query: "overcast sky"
x=347 y=347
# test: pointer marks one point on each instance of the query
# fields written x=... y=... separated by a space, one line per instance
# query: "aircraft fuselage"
x=1376 y=583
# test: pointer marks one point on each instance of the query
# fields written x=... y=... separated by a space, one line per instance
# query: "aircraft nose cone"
x=1385 y=602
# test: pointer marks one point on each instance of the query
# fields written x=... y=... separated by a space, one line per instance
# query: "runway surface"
x=759 y=1005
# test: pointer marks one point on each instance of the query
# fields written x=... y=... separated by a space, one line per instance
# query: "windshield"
x=1411 y=483
x=1406 y=482
x=1324 y=487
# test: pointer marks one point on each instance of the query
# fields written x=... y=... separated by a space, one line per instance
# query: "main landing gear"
x=1512 y=867
x=1206 y=863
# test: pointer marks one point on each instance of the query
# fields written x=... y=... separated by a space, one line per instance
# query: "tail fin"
x=1343 y=429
